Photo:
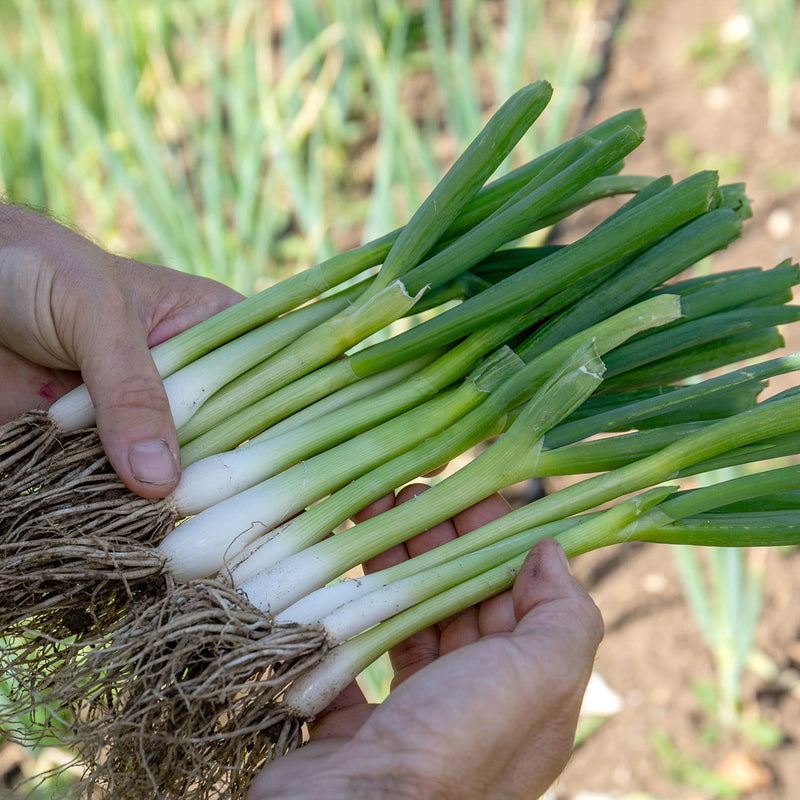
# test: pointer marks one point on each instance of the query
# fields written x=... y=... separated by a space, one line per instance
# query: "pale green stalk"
x=313 y=691
x=508 y=460
x=623 y=522
x=768 y=419
x=346 y=608
x=315 y=428
x=373 y=387
x=311 y=350
x=726 y=600
x=261 y=415
x=334 y=419
x=191 y=385
x=316 y=522
x=204 y=543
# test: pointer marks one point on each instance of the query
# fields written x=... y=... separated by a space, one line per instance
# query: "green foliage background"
x=239 y=139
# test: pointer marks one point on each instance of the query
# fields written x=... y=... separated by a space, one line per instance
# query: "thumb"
x=547 y=599
x=132 y=411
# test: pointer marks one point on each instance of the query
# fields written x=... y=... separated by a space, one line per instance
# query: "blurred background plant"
x=222 y=137
x=771 y=29
x=766 y=32
x=40 y=772
x=723 y=588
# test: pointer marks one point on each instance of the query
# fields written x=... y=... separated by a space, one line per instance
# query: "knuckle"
x=413 y=655
x=138 y=392
x=590 y=617
x=566 y=687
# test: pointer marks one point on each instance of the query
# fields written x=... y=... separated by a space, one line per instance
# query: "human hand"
x=72 y=312
x=484 y=705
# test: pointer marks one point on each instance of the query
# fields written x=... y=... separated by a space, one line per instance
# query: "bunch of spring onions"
x=56 y=551
x=186 y=641
x=258 y=363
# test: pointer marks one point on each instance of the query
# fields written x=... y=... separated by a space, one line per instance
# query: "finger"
x=350 y=696
x=344 y=716
x=555 y=613
x=296 y=774
x=490 y=618
x=170 y=301
x=388 y=558
x=496 y=615
x=482 y=513
x=434 y=536
x=342 y=723
x=148 y=304
x=459 y=631
x=464 y=628
x=373 y=509
x=552 y=649
x=436 y=470
x=438 y=534
x=544 y=580
x=555 y=641
x=469 y=625
x=132 y=411
x=415 y=652
x=423 y=651
x=392 y=556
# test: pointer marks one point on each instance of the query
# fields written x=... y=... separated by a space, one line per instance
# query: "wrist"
x=331 y=769
x=377 y=787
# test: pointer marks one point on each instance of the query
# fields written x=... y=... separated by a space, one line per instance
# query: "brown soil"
x=653 y=654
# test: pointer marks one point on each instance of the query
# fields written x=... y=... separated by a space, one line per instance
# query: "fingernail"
x=562 y=555
x=153 y=462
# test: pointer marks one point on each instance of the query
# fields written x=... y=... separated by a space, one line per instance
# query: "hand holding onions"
x=459 y=722
x=70 y=309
